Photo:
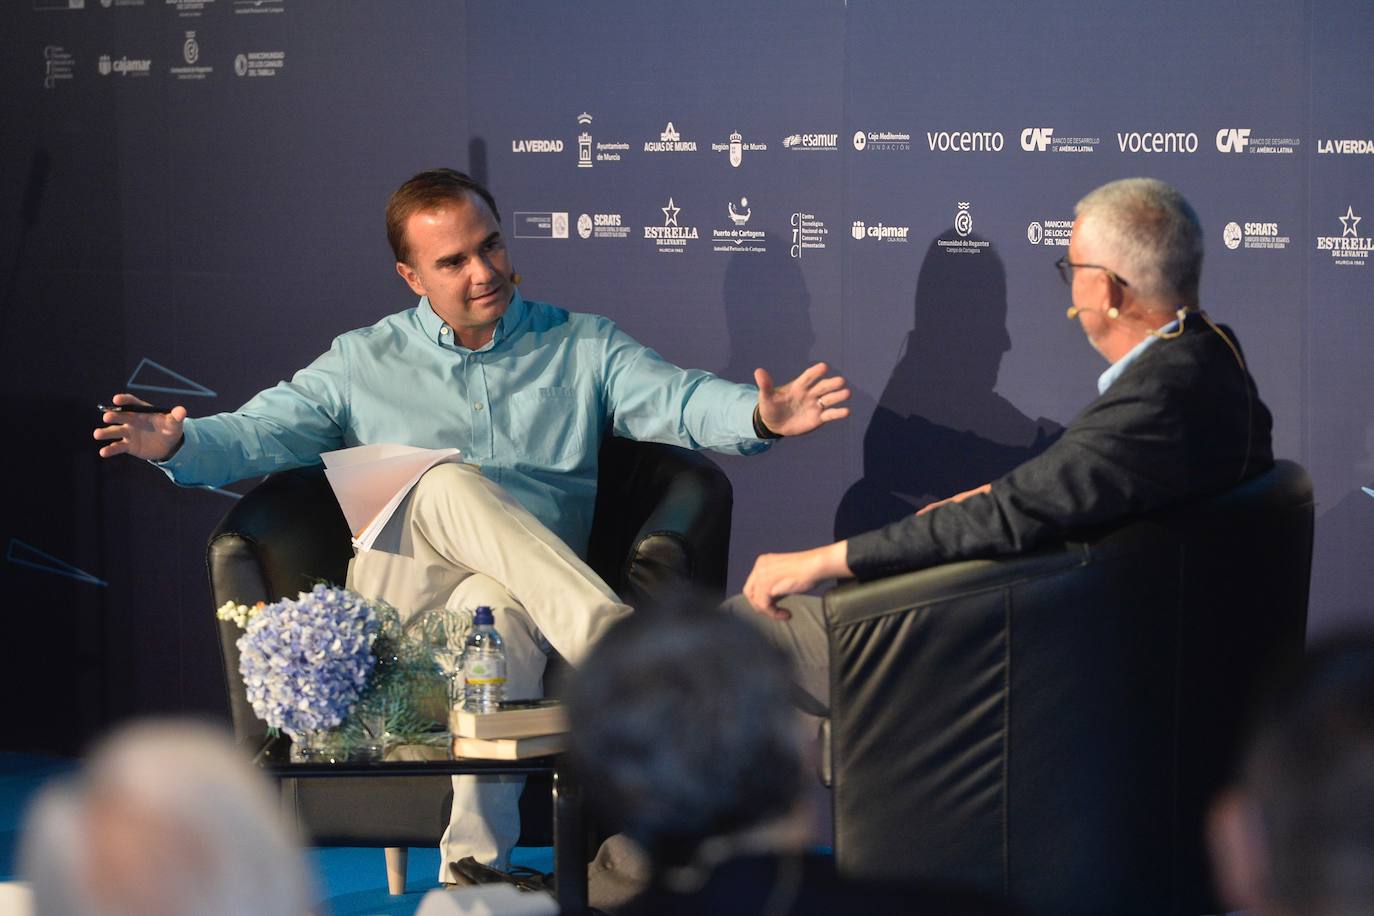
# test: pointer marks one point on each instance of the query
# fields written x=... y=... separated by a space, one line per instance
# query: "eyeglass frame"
x=1067 y=277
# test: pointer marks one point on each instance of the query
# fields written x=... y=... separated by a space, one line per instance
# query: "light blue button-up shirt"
x=529 y=408
x=1104 y=381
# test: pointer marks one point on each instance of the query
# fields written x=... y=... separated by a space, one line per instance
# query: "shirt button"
x=476 y=405
x=444 y=331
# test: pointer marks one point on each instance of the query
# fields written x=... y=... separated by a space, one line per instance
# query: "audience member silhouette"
x=1295 y=835
x=167 y=819
x=685 y=736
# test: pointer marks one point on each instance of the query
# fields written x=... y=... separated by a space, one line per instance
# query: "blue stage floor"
x=352 y=881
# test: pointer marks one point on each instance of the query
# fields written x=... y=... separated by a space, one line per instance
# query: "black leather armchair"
x=1051 y=727
x=662 y=522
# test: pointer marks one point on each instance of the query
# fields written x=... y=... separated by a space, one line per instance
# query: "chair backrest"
x=1052 y=726
x=662 y=520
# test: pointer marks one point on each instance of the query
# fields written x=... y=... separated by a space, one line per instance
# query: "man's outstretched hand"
x=807 y=402
x=154 y=436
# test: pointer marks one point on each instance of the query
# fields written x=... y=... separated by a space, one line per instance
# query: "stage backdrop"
x=191 y=198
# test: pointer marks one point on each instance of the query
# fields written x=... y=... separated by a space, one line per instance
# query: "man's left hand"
x=777 y=575
x=807 y=402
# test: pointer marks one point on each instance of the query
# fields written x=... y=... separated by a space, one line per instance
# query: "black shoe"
x=527 y=879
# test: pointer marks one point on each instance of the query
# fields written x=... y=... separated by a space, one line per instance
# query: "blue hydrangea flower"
x=305 y=662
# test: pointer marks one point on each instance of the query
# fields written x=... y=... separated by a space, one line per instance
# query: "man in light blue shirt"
x=525 y=390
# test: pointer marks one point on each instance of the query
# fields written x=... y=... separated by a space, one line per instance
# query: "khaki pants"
x=460 y=541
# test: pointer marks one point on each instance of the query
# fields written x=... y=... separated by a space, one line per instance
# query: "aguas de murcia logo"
x=670 y=141
x=1347 y=249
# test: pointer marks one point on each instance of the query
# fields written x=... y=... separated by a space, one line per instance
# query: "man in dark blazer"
x=1178 y=416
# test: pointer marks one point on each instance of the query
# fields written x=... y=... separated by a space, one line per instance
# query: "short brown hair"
x=429 y=190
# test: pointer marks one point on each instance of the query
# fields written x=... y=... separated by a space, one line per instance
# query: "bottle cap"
x=483 y=617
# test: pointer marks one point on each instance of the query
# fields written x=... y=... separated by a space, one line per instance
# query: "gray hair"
x=167 y=817
x=1152 y=236
x=683 y=726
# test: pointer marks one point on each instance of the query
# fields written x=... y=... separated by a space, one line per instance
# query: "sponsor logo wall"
x=825 y=196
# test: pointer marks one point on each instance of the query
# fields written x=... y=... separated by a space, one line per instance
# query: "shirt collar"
x=437 y=330
x=1105 y=380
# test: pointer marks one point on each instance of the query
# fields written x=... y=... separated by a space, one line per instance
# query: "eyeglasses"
x=1066 y=268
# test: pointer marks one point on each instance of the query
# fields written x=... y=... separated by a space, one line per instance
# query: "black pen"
x=132 y=408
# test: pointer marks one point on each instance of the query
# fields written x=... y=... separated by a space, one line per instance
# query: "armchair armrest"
x=662 y=521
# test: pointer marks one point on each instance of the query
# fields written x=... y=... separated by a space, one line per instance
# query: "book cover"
x=510 y=748
x=543 y=719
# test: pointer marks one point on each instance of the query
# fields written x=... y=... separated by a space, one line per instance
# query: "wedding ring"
x=821 y=402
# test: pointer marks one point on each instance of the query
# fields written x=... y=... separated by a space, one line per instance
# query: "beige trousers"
x=460 y=541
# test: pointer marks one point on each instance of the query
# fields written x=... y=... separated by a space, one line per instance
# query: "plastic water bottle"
x=484 y=665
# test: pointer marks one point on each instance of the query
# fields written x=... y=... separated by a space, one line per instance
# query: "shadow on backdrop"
x=940 y=427
x=767 y=314
x=1342 y=575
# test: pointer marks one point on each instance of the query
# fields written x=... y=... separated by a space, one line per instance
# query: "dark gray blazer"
x=1183 y=421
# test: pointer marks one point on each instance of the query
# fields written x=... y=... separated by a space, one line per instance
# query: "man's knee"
x=449 y=480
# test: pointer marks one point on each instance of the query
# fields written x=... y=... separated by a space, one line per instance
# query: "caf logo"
x=1231 y=236
x=860 y=140
x=857 y=230
x=584 y=226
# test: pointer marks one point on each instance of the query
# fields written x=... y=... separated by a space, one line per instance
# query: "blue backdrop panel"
x=1339 y=411
x=191 y=198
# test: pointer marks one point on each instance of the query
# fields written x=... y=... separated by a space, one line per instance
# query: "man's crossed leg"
x=460 y=541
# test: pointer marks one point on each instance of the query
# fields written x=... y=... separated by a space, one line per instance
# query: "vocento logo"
x=965 y=141
x=1157 y=142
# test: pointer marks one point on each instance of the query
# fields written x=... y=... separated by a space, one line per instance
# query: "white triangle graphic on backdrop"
x=187 y=387
x=22 y=554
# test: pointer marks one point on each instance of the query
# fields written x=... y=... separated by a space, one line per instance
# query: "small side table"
x=569 y=829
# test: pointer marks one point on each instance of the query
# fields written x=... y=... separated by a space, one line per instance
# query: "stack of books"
x=523 y=728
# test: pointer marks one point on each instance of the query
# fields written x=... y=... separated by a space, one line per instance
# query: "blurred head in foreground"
x=684 y=731
x=166 y=818
x=1295 y=835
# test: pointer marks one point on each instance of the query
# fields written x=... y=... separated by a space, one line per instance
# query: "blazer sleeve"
x=1123 y=456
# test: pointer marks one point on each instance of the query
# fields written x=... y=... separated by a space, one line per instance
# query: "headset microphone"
x=1072 y=312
